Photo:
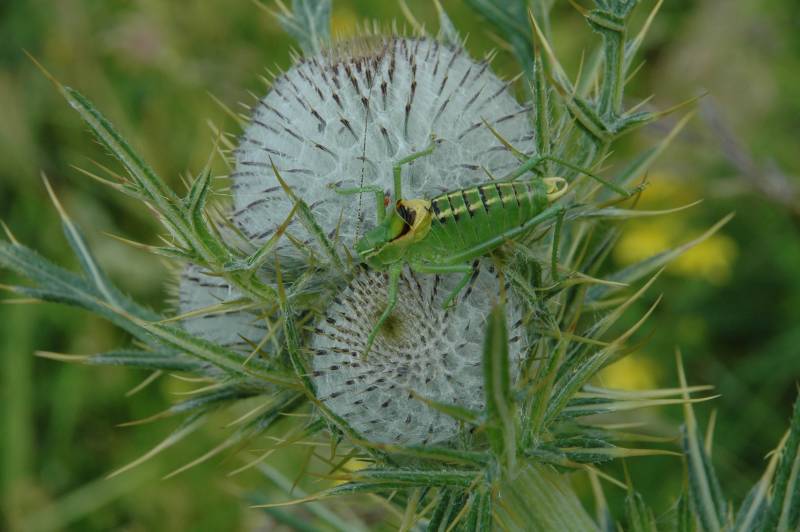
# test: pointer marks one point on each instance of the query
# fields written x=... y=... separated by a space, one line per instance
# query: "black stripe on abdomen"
x=453 y=211
x=483 y=199
x=469 y=204
x=437 y=210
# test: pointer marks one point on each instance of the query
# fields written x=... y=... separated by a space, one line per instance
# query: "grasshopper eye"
x=407 y=214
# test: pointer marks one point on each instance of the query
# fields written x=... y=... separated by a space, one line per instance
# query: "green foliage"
x=577 y=121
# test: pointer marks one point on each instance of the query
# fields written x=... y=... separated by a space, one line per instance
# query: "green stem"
x=614 y=77
x=542 y=115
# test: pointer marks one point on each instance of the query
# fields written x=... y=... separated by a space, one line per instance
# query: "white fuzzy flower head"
x=344 y=119
x=422 y=352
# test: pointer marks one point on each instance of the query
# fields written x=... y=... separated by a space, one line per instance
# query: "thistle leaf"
x=308 y=219
x=195 y=212
x=191 y=424
x=509 y=16
x=540 y=499
x=418 y=477
x=144 y=179
x=319 y=510
x=752 y=512
x=634 y=44
x=479 y=516
x=640 y=517
x=219 y=356
x=448 y=507
x=202 y=402
x=455 y=411
x=441 y=454
x=683 y=515
x=497 y=388
x=155 y=360
x=615 y=213
x=58 y=285
x=94 y=274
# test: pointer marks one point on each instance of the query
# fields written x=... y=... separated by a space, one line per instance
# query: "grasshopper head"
x=407 y=223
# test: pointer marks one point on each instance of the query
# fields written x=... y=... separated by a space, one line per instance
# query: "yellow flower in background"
x=642 y=239
x=666 y=188
x=711 y=260
x=633 y=372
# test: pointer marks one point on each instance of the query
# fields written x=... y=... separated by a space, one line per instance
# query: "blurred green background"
x=732 y=305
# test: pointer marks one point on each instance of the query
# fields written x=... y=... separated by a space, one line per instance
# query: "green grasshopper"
x=447 y=233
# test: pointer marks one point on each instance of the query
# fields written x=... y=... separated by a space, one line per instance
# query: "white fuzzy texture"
x=345 y=121
x=238 y=330
x=426 y=352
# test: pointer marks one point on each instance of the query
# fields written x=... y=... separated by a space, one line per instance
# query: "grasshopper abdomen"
x=463 y=219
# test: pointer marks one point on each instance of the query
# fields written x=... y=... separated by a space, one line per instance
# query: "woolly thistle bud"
x=343 y=119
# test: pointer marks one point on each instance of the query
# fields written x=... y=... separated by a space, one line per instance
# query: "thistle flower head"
x=235 y=329
x=422 y=353
x=344 y=118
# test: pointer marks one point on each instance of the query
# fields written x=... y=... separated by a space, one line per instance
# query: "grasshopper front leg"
x=398 y=167
x=380 y=198
x=380 y=203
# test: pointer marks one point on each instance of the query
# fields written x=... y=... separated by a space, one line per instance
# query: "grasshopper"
x=446 y=233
